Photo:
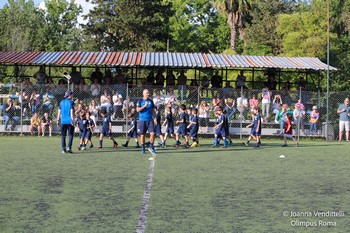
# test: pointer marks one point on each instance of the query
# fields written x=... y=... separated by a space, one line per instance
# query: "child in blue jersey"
x=90 y=129
x=169 y=122
x=132 y=131
x=158 y=127
x=188 y=118
x=106 y=129
x=221 y=128
x=182 y=130
x=193 y=127
x=252 y=131
x=82 y=124
x=256 y=129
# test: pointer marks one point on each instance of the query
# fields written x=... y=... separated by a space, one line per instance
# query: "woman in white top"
x=93 y=109
x=117 y=104
x=299 y=114
x=128 y=107
x=266 y=101
x=204 y=115
x=95 y=88
x=105 y=100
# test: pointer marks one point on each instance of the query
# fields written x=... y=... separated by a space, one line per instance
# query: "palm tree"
x=237 y=12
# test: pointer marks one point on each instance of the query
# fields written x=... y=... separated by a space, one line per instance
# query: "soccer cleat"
x=115 y=144
x=137 y=146
x=125 y=145
x=246 y=143
x=99 y=147
x=215 y=145
x=152 y=151
x=91 y=146
x=143 y=152
x=284 y=145
x=64 y=151
x=83 y=148
x=70 y=151
x=194 y=144
x=162 y=145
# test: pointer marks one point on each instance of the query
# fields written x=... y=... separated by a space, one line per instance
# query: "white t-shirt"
x=117 y=100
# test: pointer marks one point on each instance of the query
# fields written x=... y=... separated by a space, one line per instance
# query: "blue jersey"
x=91 y=123
x=133 y=124
x=82 y=124
x=147 y=113
x=65 y=107
x=183 y=119
x=105 y=123
x=257 y=123
x=195 y=120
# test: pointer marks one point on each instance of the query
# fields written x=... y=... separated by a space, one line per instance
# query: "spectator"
x=344 y=120
x=120 y=77
x=46 y=122
x=95 y=88
x=75 y=76
x=28 y=86
x=9 y=113
x=204 y=116
x=266 y=100
x=82 y=89
x=253 y=102
x=159 y=100
x=50 y=83
x=282 y=117
x=170 y=79
x=60 y=89
x=117 y=105
x=128 y=107
x=150 y=79
x=93 y=109
x=108 y=78
x=314 y=116
x=276 y=106
x=171 y=99
x=193 y=94
x=96 y=75
x=105 y=101
x=182 y=85
x=205 y=85
x=227 y=89
x=35 y=123
x=242 y=105
x=48 y=104
x=35 y=102
x=271 y=81
x=160 y=79
x=25 y=100
x=299 y=115
x=216 y=81
x=240 y=80
x=40 y=76
x=217 y=101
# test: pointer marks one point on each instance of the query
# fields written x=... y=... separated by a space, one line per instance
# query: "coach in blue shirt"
x=145 y=107
x=65 y=118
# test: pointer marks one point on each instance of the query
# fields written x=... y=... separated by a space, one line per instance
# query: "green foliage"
x=128 y=25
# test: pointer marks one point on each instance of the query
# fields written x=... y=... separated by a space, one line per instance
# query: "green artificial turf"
x=201 y=189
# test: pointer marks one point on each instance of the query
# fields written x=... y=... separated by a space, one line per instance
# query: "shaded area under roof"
x=161 y=59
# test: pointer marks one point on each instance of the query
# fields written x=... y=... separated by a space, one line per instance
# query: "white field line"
x=141 y=226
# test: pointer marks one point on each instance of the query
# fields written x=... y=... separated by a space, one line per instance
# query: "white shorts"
x=344 y=124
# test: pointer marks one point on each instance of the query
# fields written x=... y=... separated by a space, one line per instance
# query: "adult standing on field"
x=344 y=120
x=65 y=118
x=145 y=107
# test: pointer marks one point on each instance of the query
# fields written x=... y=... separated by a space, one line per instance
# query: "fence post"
x=127 y=111
x=21 y=99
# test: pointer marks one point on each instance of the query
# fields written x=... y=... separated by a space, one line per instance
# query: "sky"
x=40 y=3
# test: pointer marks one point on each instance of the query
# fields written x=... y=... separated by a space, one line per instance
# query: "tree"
x=21 y=26
x=61 y=28
x=128 y=25
x=196 y=27
x=237 y=13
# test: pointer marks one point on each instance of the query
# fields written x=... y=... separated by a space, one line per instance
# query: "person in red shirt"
x=288 y=130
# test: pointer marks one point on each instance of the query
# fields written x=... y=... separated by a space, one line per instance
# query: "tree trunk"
x=231 y=22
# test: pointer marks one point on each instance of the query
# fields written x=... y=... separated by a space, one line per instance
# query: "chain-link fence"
x=19 y=102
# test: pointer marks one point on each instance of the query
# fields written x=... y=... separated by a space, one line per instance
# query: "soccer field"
x=203 y=189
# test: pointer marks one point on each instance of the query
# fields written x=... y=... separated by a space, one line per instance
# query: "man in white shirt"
x=242 y=105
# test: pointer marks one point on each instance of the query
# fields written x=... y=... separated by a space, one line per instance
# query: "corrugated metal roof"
x=161 y=59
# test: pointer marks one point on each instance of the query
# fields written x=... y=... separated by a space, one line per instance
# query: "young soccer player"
x=182 y=127
x=82 y=124
x=288 y=130
x=193 y=127
x=256 y=130
x=220 y=128
x=46 y=122
x=251 y=135
x=158 y=127
x=90 y=129
x=132 y=131
x=106 y=129
x=169 y=122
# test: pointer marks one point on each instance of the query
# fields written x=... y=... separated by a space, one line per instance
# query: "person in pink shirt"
x=253 y=102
